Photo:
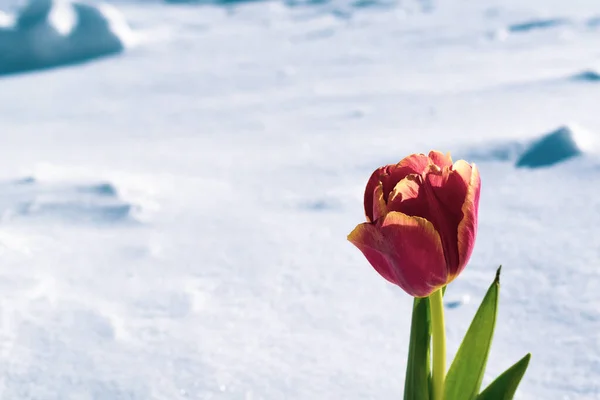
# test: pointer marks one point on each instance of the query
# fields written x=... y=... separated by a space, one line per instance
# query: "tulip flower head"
x=421 y=221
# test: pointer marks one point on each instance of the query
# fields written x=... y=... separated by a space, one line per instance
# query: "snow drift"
x=552 y=148
x=49 y=33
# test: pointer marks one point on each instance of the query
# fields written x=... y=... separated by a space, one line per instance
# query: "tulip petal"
x=413 y=164
x=368 y=239
x=467 y=228
x=447 y=191
x=440 y=159
x=372 y=184
x=380 y=208
x=464 y=170
x=407 y=197
x=416 y=251
x=406 y=251
x=388 y=176
x=450 y=190
x=407 y=188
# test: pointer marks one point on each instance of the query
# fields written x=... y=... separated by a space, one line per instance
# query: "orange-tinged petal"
x=467 y=228
x=368 y=239
x=464 y=170
x=406 y=251
x=407 y=188
x=407 y=197
x=415 y=163
x=380 y=208
x=388 y=177
x=440 y=159
x=372 y=184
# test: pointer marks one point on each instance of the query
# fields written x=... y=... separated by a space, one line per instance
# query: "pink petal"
x=389 y=176
x=447 y=192
x=372 y=184
x=380 y=208
x=464 y=170
x=440 y=159
x=415 y=250
x=406 y=251
x=407 y=197
x=467 y=228
x=368 y=239
x=413 y=164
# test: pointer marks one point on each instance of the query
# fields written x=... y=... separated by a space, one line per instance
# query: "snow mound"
x=587 y=76
x=593 y=22
x=96 y=202
x=554 y=147
x=336 y=7
x=537 y=24
x=211 y=2
x=49 y=33
x=551 y=148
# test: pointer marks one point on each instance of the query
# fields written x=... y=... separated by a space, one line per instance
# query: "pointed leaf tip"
x=505 y=386
x=465 y=375
x=497 y=278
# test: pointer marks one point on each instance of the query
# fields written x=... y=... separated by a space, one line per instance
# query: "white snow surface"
x=174 y=219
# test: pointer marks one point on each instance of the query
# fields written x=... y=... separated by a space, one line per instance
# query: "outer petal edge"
x=368 y=239
x=467 y=228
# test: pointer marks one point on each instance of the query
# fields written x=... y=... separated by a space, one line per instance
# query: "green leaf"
x=505 y=386
x=418 y=375
x=466 y=372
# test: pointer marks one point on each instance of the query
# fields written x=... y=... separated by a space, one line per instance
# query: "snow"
x=49 y=33
x=587 y=76
x=174 y=219
x=552 y=148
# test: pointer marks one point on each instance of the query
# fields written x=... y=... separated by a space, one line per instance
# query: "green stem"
x=438 y=334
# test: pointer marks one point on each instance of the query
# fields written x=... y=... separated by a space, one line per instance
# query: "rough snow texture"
x=239 y=141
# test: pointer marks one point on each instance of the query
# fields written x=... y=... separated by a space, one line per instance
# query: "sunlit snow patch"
x=6 y=20
x=559 y=145
x=49 y=33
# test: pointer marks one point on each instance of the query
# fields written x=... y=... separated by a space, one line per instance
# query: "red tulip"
x=422 y=221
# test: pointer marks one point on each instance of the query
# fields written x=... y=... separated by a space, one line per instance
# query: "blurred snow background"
x=47 y=33
x=174 y=217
